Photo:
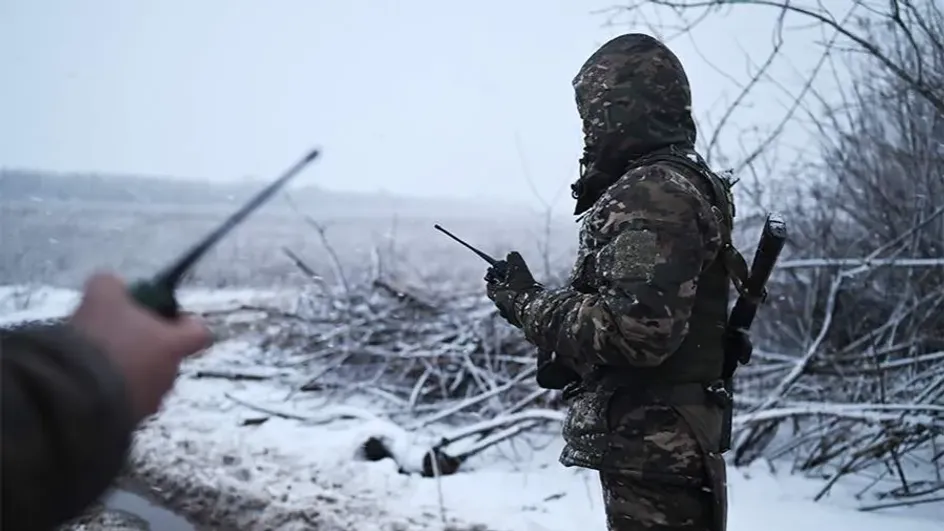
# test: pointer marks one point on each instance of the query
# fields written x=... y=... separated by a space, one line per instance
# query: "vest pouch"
x=586 y=429
x=705 y=421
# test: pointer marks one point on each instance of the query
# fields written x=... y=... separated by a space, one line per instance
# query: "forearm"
x=543 y=316
x=67 y=425
x=602 y=328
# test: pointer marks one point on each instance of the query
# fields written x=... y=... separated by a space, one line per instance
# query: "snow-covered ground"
x=304 y=472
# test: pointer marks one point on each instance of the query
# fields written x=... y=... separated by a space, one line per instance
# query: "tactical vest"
x=700 y=357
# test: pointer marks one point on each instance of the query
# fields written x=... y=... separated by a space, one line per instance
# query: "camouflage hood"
x=634 y=98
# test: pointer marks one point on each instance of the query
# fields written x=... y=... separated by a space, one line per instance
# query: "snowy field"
x=257 y=454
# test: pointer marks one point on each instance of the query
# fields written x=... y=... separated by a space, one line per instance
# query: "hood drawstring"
x=577 y=187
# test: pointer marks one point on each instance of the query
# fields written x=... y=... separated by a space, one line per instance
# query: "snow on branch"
x=810 y=263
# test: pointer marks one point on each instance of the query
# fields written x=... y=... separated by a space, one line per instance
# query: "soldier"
x=72 y=395
x=639 y=335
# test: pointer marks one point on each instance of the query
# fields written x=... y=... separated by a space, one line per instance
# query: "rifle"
x=772 y=239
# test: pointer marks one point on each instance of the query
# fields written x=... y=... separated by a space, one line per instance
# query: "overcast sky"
x=421 y=97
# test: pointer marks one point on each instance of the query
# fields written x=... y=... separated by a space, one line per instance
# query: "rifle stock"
x=772 y=239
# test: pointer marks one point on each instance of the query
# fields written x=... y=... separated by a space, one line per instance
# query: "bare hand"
x=145 y=348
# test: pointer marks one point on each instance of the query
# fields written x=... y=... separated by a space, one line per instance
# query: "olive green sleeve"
x=67 y=425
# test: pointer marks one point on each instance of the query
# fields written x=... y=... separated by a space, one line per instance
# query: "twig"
x=231 y=375
x=525 y=374
x=901 y=503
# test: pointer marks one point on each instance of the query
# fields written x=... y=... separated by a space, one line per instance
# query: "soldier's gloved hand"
x=552 y=374
x=503 y=285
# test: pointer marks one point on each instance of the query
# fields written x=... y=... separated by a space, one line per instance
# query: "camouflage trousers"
x=633 y=504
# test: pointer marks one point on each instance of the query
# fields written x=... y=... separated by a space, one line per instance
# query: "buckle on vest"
x=719 y=394
x=571 y=390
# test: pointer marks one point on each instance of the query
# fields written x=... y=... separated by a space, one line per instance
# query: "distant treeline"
x=25 y=185
x=30 y=185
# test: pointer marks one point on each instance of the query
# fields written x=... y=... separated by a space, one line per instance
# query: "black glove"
x=505 y=281
x=737 y=349
x=552 y=374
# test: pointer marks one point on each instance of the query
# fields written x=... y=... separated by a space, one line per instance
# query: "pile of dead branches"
x=433 y=358
x=418 y=350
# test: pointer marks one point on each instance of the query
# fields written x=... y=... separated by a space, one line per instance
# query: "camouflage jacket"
x=649 y=234
x=67 y=426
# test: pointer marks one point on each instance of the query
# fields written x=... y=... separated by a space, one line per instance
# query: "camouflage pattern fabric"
x=67 y=426
x=634 y=98
x=647 y=239
x=642 y=247
x=645 y=242
x=636 y=505
x=101 y=518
